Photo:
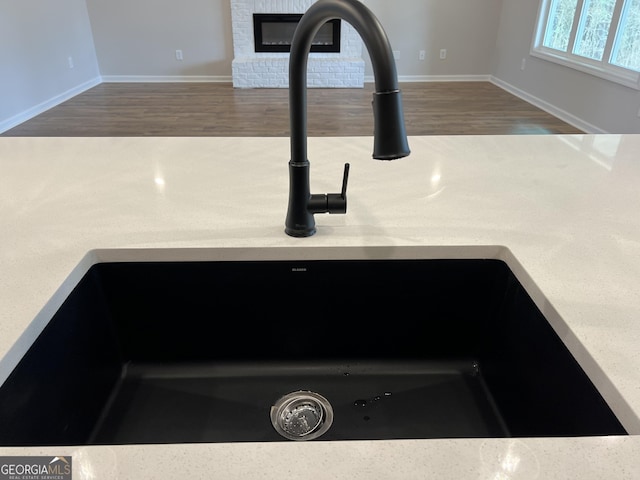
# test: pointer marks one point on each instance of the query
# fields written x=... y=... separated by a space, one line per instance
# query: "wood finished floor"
x=217 y=109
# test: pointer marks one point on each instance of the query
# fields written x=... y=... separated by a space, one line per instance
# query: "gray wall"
x=466 y=29
x=130 y=41
x=36 y=39
x=140 y=37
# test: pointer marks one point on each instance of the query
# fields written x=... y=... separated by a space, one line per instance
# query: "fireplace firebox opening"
x=274 y=33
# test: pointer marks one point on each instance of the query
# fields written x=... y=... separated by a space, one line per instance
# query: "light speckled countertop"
x=566 y=206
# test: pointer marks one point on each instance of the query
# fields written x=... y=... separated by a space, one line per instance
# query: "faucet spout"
x=390 y=139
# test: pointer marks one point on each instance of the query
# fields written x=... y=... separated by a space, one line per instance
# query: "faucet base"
x=305 y=232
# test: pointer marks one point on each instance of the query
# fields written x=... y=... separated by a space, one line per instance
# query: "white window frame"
x=603 y=68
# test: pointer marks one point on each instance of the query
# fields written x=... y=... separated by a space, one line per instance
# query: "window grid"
x=605 y=52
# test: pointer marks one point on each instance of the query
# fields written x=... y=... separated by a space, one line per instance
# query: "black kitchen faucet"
x=390 y=138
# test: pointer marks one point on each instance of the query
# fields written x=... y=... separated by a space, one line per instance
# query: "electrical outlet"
x=422 y=54
x=179 y=55
x=70 y=62
x=396 y=54
x=443 y=53
x=523 y=64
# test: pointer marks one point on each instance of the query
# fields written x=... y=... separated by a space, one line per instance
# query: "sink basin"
x=198 y=346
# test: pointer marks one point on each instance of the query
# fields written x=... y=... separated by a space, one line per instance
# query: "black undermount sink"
x=200 y=351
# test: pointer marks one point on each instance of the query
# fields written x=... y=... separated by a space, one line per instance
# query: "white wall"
x=36 y=39
x=589 y=102
x=140 y=38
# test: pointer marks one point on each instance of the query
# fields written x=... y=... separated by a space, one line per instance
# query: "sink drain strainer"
x=302 y=415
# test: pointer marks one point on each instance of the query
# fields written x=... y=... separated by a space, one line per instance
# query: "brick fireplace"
x=251 y=69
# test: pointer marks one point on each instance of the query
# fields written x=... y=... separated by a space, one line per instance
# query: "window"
x=601 y=37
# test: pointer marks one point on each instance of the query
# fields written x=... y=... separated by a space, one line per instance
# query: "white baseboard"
x=547 y=107
x=166 y=78
x=47 y=104
x=435 y=78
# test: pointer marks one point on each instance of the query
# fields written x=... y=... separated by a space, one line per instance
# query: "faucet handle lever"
x=345 y=179
x=331 y=202
x=337 y=202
